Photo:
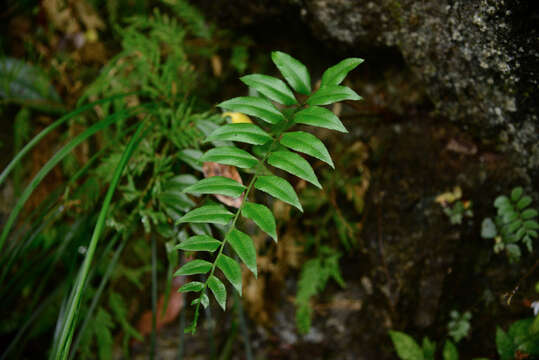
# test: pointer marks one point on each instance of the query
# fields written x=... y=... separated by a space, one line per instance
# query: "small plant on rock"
x=515 y=222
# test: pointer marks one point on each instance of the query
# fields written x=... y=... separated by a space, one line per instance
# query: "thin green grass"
x=97 y=296
x=67 y=323
x=50 y=128
x=63 y=152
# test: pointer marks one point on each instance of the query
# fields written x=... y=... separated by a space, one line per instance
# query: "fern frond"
x=269 y=148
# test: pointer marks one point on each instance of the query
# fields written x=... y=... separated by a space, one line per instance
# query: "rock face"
x=478 y=59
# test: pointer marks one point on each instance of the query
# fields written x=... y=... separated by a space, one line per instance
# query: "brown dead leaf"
x=216 y=65
x=175 y=304
x=214 y=169
x=461 y=147
x=71 y=16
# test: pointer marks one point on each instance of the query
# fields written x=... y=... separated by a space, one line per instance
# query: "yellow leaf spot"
x=237 y=117
x=449 y=197
x=91 y=35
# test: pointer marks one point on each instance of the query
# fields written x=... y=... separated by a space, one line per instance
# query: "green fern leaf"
x=244 y=247
x=213 y=214
x=516 y=194
x=203 y=300
x=219 y=291
x=193 y=286
x=531 y=224
x=279 y=188
x=295 y=165
x=295 y=73
x=407 y=348
x=194 y=267
x=336 y=74
x=217 y=185
x=199 y=243
x=308 y=144
x=262 y=217
x=320 y=117
x=331 y=94
x=529 y=214
x=254 y=106
x=246 y=133
x=232 y=271
x=273 y=88
x=450 y=351
x=229 y=155
x=524 y=202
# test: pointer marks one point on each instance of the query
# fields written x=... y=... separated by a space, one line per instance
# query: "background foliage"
x=108 y=108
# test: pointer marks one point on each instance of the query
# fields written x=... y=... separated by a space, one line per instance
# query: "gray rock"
x=478 y=59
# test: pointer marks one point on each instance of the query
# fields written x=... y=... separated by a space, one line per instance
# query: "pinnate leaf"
x=203 y=299
x=450 y=351
x=516 y=193
x=336 y=74
x=488 y=229
x=244 y=247
x=194 y=286
x=194 y=267
x=214 y=214
x=230 y=155
x=293 y=71
x=175 y=203
x=199 y=243
x=254 y=106
x=279 y=188
x=294 y=164
x=219 y=291
x=332 y=93
x=179 y=182
x=504 y=344
x=231 y=269
x=429 y=348
x=529 y=214
x=308 y=144
x=262 y=217
x=501 y=201
x=524 y=202
x=217 y=185
x=406 y=346
x=191 y=157
x=321 y=117
x=241 y=132
x=271 y=87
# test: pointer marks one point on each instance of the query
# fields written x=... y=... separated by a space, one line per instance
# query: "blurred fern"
x=515 y=222
x=156 y=80
x=314 y=276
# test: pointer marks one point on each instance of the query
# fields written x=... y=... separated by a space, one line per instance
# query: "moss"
x=395 y=9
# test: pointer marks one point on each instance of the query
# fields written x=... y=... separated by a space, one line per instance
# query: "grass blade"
x=97 y=295
x=154 y=299
x=55 y=160
x=50 y=128
x=61 y=350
